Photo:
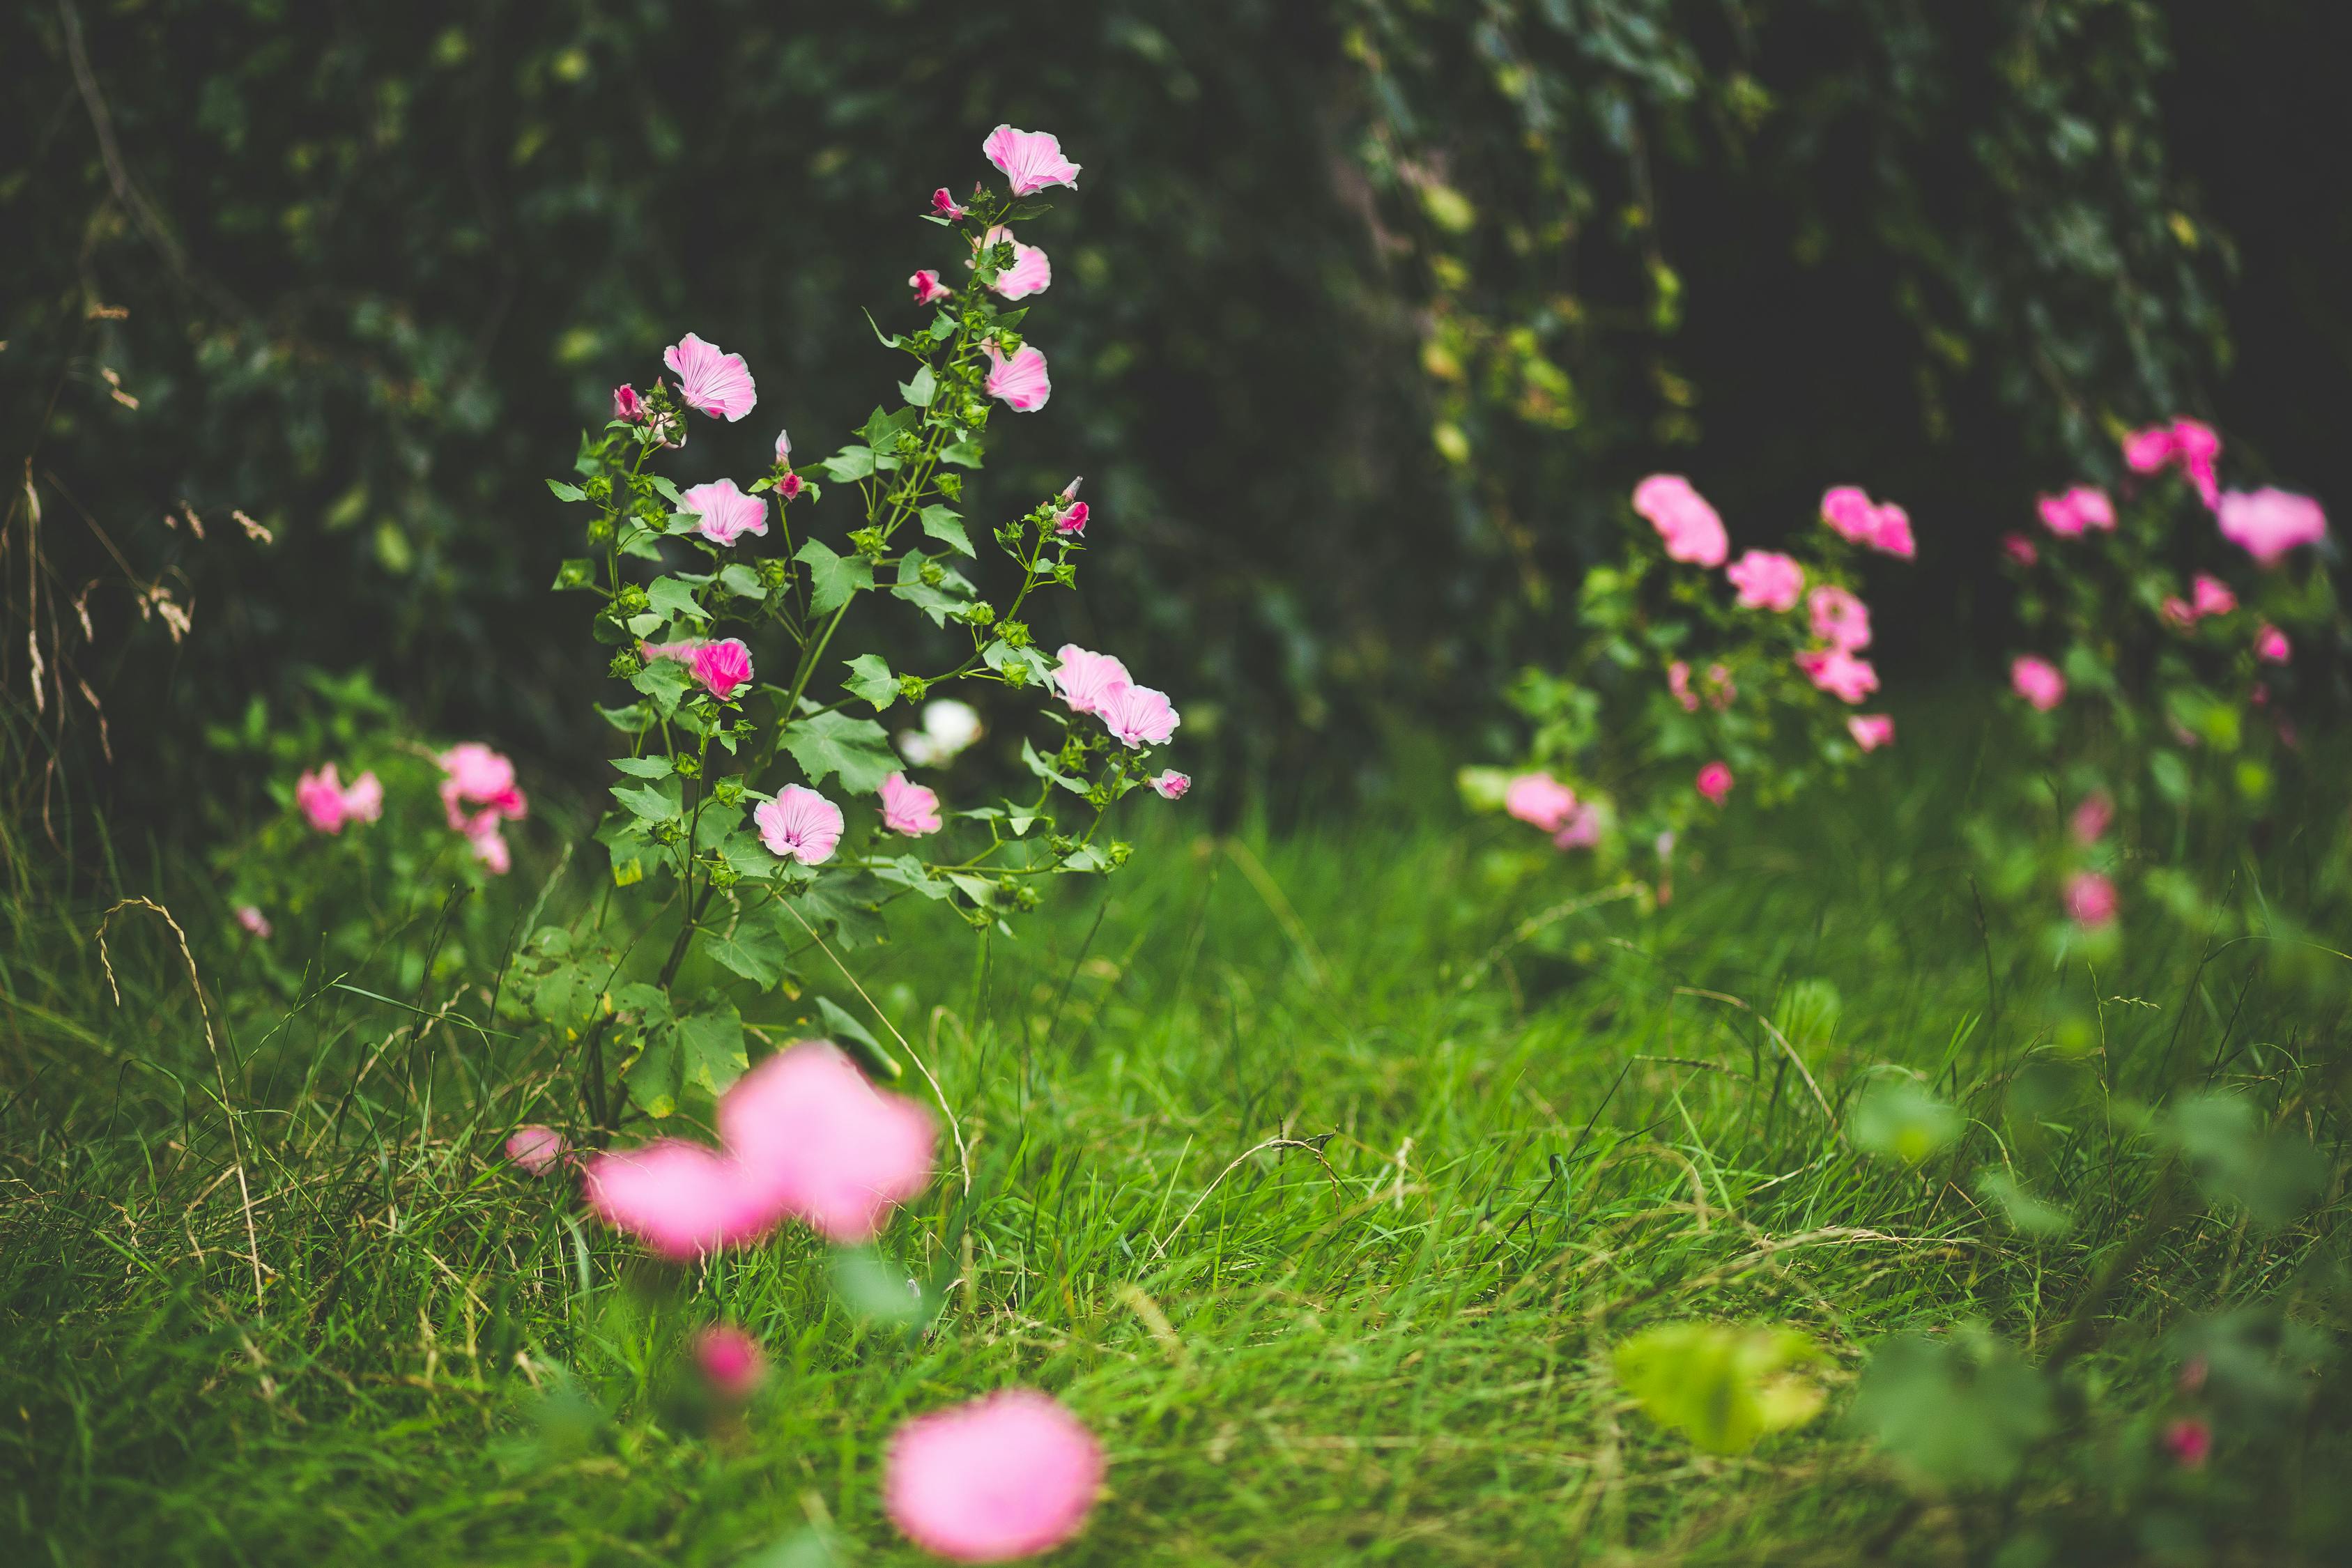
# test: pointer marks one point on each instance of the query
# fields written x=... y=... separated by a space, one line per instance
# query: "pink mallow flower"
x=928 y=287
x=478 y=789
x=2082 y=508
x=722 y=667
x=726 y=513
x=2038 y=681
x=2178 y=612
x=2090 y=899
x=1139 y=716
x=813 y=1135
x=1031 y=272
x=1581 y=830
x=1714 y=783
x=537 y=1148
x=1007 y=1476
x=1853 y=516
x=1870 y=730
x=2189 y=1441
x=1839 y=673
x=1679 y=682
x=1689 y=526
x=1766 y=579
x=1071 y=521
x=2271 y=645
x=489 y=847
x=1086 y=681
x=680 y=1199
x=326 y=804
x=2020 y=549
x=1030 y=161
x=628 y=404
x=1540 y=800
x=909 y=809
x=2212 y=596
x=1840 y=619
x=790 y=487
x=2192 y=445
x=710 y=381
x=945 y=206
x=1021 y=381
x=1170 y=784
x=253 y=921
x=2267 y=524
x=799 y=825
x=2088 y=824
x=730 y=1363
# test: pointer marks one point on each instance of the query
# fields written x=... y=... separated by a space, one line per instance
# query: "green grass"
x=1545 y=1122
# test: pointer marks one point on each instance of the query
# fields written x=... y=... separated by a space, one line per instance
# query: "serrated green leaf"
x=832 y=577
x=673 y=600
x=710 y=1047
x=651 y=802
x=562 y=491
x=643 y=767
x=856 y=749
x=964 y=454
x=742 y=580
x=945 y=524
x=849 y=464
x=755 y=950
x=663 y=680
x=870 y=678
x=923 y=389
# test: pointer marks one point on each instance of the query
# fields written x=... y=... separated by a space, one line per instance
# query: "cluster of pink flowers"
x=478 y=794
x=1877 y=525
x=1098 y=684
x=2209 y=595
x=2186 y=442
x=326 y=803
x=2071 y=515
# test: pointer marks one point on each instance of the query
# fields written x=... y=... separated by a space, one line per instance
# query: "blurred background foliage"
x=1368 y=314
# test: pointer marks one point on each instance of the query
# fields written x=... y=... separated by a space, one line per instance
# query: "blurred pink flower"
x=726 y=513
x=2037 y=680
x=680 y=1199
x=2084 y=507
x=1720 y=692
x=1540 y=800
x=1581 y=830
x=1031 y=272
x=1171 y=784
x=1086 y=681
x=1714 y=783
x=475 y=776
x=320 y=797
x=1021 y=381
x=2192 y=445
x=253 y=921
x=489 y=846
x=1679 y=682
x=1030 y=161
x=363 y=802
x=1848 y=512
x=1766 y=579
x=928 y=287
x=1892 y=536
x=909 y=809
x=1870 y=730
x=2268 y=522
x=1008 y=1476
x=628 y=404
x=2189 y=1441
x=1139 y=716
x=2177 y=611
x=799 y=825
x=2089 y=823
x=2020 y=549
x=824 y=1144
x=1690 y=528
x=537 y=1148
x=1839 y=673
x=944 y=205
x=1840 y=619
x=2145 y=451
x=708 y=380
x=2271 y=645
x=722 y=667
x=2090 y=899
x=2212 y=596
x=730 y=1362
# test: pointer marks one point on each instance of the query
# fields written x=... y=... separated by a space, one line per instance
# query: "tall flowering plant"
x=758 y=797
x=2180 y=638
x=1700 y=675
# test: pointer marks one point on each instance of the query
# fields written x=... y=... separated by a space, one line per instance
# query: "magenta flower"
x=944 y=205
x=1679 y=682
x=2082 y=508
x=789 y=487
x=253 y=921
x=1850 y=513
x=537 y=1148
x=2089 y=822
x=2178 y=612
x=473 y=775
x=1581 y=830
x=2212 y=596
x=1838 y=672
x=2020 y=549
x=1086 y=681
x=928 y=287
x=2268 y=522
x=1030 y=161
x=909 y=809
x=1766 y=579
x=711 y=383
x=1019 y=380
x=2189 y=1441
x=722 y=669
x=628 y=404
x=2038 y=681
x=1839 y=618
x=822 y=1144
x=730 y=1362
x=726 y=513
x=2186 y=442
x=489 y=847
x=680 y=1199
x=1170 y=784
x=799 y=825
x=327 y=803
x=1540 y=800
x=2090 y=899
x=2270 y=646
x=1009 y=1476
x=1031 y=272
x=1870 y=730
x=1714 y=783
x=1071 y=519
x=1139 y=716
x=1690 y=528
x=1893 y=534
x=2146 y=451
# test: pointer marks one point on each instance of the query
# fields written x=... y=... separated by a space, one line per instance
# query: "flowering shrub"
x=1700 y=677
x=761 y=805
x=2177 y=633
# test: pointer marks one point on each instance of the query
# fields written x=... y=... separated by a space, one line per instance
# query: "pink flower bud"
x=2089 y=823
x=2189 y=1441
x=2271 y=645
x=1714 y=783
x=944 y=205
x=928 y=287
x=2038 y=681
x=2020 y=549
x=628 y=404
x=729 y=1360
x=254 y=920
x=2090 y=899
x=1171 y=784
x=537 y=1149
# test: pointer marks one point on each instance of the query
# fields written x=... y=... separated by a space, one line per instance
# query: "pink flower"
x=680 y=1199
x=2038 y=681
x=2177 y=611
x=1690 y=528
x=1019 y=380
x=2146 y=451
x=928 y=287
x=327 y=803
x=1870 y=730
x=2192 y=445
x=821 y=1142
x=2212 y=596
x=787 y=488
x=1086 y=681
x=1139 y=716
x=730 y=1362
x=944 y=205
x=2020 y=549
x=2090 y=899
x=726 y=513
x=1540 y=800
x=1031 y=272
x=1839 y=673
x=1679 y=682
x=711 y=383
x=2269 y=522
x=1581 y=830
x=1171 y=784
x=1030 y=161
x=628 y=404
x=253 y=921
x=1850 y=514
x=473 y=775
x=1071 y=519
x=537 y=1148
x=2189 y=1441
x=1766 y=579
x=2271 y=645
x=1839 y=618
x=799 y=825
x=2089 y=822
x=1009 y=1476
x=909 y=809
x=489 y=846
x=1714 y=783
x=2084 y=507
x=363 y=802
x=1892 y=536
x=722 y=667
x=783 y=447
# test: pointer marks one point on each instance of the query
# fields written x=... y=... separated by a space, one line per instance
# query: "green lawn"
x=1547 y=1118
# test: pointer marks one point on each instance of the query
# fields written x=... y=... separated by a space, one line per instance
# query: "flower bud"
x=624 y=664
x=944 y=205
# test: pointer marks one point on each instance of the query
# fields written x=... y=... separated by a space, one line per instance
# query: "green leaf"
x=835 y=908
x=945 y=524
x=953 y=593
x=1957 y=1413
x=654 y=803
x=755 y=950
x=964 y=454
x=710 y=1047
x=562 y=491
x=674 y=601
x=849 y=464
x=745 y=854
x=643 y=767
x=999 y=654
x=575 y=572
x=1899 y=1120
x=923 y=389
x=884 y=427
x=832 y=578
x=664 y=681
x=870 y=678
x=2027 y=1215
x=1725 y=1386
x=1044 y=769
x=855 y=1037
x=856 y=749
x=2272 y=1173
x=742 y=580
